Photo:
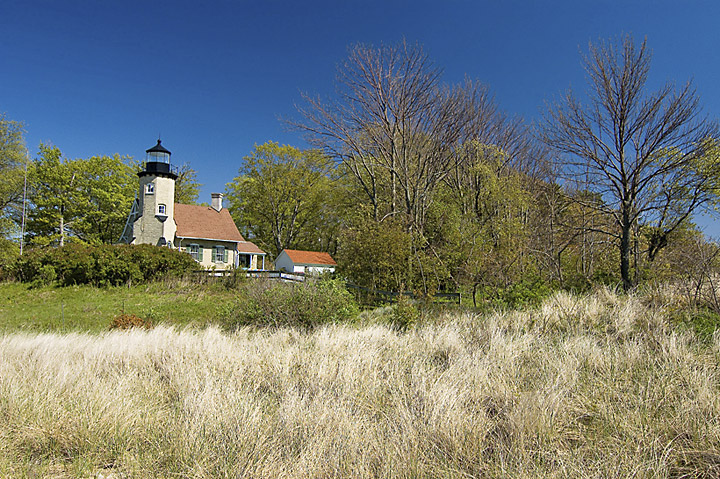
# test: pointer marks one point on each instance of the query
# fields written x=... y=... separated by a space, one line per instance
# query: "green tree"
x=641 y=151
x=13 y=162
x=54 y=196
x=187 y=188
x=478 y=225
x=86 y=199
x=376 y=255
x=106 y=188
x=279 y=197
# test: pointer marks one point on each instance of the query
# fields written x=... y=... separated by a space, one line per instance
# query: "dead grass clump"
x=128 y=321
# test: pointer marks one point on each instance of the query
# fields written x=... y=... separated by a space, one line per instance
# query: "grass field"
x=594 y=386
x=91 y=309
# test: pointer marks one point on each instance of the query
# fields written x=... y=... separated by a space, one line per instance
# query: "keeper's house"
x=207 y=233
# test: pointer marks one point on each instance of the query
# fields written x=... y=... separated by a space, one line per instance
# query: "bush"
x=305 y=305
x=102 y=265
x=128 y=321
x=9 y=253
x=46 y=275
x=404 y=313
x=235 y=279
x=526 y=292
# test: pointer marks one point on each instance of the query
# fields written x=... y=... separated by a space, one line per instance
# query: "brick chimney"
x=216 y=202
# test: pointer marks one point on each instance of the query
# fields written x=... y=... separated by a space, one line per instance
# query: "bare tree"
x=394 y=126
x=697 y=270
x=644 y=153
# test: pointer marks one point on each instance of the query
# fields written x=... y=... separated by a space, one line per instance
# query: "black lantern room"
x=158 y=153
x=157 y=162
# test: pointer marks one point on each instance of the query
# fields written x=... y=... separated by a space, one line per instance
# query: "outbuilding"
x=308 y=262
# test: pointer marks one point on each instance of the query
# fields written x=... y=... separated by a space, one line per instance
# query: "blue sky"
x=213 y=78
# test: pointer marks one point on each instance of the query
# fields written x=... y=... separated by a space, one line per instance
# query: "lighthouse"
x=151 y=219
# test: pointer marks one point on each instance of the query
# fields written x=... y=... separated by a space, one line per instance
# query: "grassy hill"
x=591 y=386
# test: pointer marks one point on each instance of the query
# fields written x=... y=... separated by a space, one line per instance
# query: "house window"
x=220 y=254
x=150 y=189
x=244 y=260
x=161 y=209
x=194 y=251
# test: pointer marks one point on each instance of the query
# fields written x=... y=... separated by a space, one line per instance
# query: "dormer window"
x=150 y=189
x=161 y=210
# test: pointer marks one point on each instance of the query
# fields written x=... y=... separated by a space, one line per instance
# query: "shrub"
x=101 y=265
x=305 y=305
x=404 y=313
x=9 y=252
x=128 y=321
x=46 y=275
x=235 y=279
x=527 y=292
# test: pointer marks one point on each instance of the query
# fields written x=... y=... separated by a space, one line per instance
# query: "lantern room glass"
x=158 y=156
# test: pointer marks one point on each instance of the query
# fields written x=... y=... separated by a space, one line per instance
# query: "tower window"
x=161 y=209
x=150 y=189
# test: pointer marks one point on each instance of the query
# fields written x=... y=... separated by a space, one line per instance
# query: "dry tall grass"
x=598 y=386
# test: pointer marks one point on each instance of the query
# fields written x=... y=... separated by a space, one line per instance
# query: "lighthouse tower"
x=154 y=221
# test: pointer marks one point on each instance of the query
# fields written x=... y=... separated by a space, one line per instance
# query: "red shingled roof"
x=309 y=257
x=203 y=222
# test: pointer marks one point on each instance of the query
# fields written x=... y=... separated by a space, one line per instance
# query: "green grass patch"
x=701 y=321
x=91 y=309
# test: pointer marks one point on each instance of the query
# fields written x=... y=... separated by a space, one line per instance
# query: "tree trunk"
x=625 y=233
x=393 y=180
x=636 y=252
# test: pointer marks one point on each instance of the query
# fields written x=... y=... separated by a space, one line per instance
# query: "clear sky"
x=214 y=77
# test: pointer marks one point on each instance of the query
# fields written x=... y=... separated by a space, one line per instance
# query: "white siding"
x=320 y=269
x=284 y=263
